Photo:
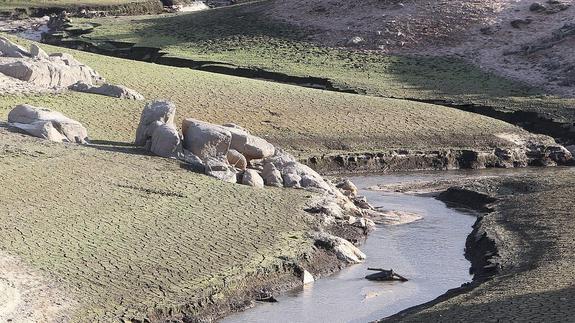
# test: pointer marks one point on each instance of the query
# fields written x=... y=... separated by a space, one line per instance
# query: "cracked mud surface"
x=125 y=234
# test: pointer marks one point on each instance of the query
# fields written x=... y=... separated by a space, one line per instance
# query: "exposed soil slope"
x=501 y=36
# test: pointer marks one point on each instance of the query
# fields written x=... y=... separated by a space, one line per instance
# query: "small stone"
x=307 y=277
x=253 y=179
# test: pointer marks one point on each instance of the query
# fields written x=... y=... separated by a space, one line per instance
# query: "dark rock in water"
x=384 y=275
x=537 y=7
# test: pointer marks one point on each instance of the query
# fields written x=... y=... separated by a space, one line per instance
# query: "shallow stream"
x=429 y=252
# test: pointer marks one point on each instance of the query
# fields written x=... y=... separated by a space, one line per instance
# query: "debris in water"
x=384 y=275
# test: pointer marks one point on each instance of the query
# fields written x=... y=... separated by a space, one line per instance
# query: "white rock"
x=237 y=160
x=307 y=277
x=343 y=249
x=165 y=141
x=252 y=147
x=72 y=130
x=115 y=91
x=163 y=112
x=252 y=178
x=220 y=169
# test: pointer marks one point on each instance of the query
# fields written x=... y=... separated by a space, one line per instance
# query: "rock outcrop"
x=251 y=147
x=47 y=124
x=57 y=70
x=252 y=178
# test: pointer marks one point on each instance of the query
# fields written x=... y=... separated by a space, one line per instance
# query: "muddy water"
x=430 y=252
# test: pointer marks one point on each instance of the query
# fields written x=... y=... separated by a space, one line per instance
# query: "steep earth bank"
x=517 y=249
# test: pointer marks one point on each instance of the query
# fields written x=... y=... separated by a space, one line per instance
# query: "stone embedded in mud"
x=343 y=249
x=292 y=180
x=115 y=91
x=252 y=178
x=166 y=141
x=236 y=159
x=206 y=140
x=307 y=277
x=220 y=169
x=47 y=124
x=156 y=111
x=272 y=176
x=9 y=49
x=38 y=52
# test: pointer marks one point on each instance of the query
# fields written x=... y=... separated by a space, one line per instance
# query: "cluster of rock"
x=47 y=124
x=230 y=153
x=59 y=70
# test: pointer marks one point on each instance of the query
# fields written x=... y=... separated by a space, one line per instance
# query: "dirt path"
x=25 y=296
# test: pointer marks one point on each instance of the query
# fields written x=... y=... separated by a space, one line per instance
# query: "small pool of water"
x=429 y=252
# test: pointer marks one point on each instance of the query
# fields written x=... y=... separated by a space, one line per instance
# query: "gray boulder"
x=205 y=140
x=220 y=169
x=38 y=52
x=9 y=49
x=343 y=249
x=292 y=180
x=115 y=91
x=165 y=141
x=250 y=146
x=252 y=178
x=237 y=160
x=156 y=111
x=36 y=119
x=272 y=176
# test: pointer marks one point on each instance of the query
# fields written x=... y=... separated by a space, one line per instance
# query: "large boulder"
x=115 y=91
x=205 y=140
x=220 y=169
x=33 y=120
x=157 y=111
x=250 y=146
x=252 y=178
x=9 y=49
x=165 y=141
x=59 y=70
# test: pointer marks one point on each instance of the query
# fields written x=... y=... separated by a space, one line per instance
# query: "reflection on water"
x=429 y=252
